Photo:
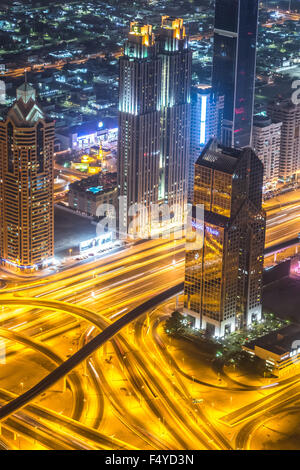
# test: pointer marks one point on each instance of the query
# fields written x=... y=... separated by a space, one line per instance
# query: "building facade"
x=87 y=195
x=234 y=64
x=266 y=144
x=206 y=122
x=289 y=114
x=139 y=127
x=26 y=184
x=175 y=113
x=224 y=255
x=154 y=124
x=279 y=349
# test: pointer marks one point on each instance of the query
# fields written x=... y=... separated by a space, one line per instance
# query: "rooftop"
x=96 y=184
x=278 y=342
x=286 y=105
x=261 y=121
x=25 y=112
x=94 y=126
x=219 y=158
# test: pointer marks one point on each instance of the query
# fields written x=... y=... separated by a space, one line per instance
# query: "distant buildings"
x=234 y=59
x=90 y=134
x=26 y=184
x=154 y=123
x=289 y=114
x=266 y=143
x=206 y=122
x=223 y=276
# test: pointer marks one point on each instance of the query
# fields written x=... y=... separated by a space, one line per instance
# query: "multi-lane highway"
x=283 y=219
x=126 y=385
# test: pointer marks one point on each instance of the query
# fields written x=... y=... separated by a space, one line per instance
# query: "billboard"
x=93 y=245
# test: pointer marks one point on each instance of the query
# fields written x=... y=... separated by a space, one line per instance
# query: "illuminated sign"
x=86 y=137
x=197 y=226
x=212 y=231
x=97 y=243
x=203 y=118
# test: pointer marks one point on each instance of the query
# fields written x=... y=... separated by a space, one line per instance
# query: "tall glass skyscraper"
x=234 y=64
x=224 y=255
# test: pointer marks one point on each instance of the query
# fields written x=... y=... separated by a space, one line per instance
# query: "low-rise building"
x=84 y=136
x=280 y=349
x=86 y=195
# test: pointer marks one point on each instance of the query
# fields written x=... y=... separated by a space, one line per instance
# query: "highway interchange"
x=140 y=389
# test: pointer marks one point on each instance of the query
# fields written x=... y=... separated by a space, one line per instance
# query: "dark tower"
x=223 y=277
x=234 y=64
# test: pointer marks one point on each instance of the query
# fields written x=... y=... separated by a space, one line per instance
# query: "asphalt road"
x=85 y=352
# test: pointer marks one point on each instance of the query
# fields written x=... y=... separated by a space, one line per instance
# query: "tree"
x=174 y=324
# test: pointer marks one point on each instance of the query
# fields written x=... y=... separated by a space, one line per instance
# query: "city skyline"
x=149 y=228
x=234 y=62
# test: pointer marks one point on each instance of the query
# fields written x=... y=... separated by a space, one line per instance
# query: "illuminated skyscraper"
x=234 y=63
x=266 y=144
x=175 y=112
x=289 y=114
x=154 y=122
x=26 y=184
x=206 y=122
x=139 y=126
x=223 y=277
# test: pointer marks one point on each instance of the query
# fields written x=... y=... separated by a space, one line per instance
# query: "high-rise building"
x=26 y=184
x=224 y=255
x=206 y=121
x=234 y=63
x=266 y=144
x=289 y=114
x=139 y=128
x=175 y=112
x=154 y=123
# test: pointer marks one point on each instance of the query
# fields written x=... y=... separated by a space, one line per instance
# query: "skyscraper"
x=26 y=184
x=223 y=276
x=175 y=112
x=289 y=114
x=139 y=127
x=206 y=121
x=154 y=123
x=266 y=144
x=234 y=63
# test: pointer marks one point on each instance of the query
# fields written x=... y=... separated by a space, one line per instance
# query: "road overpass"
x=85 y=352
